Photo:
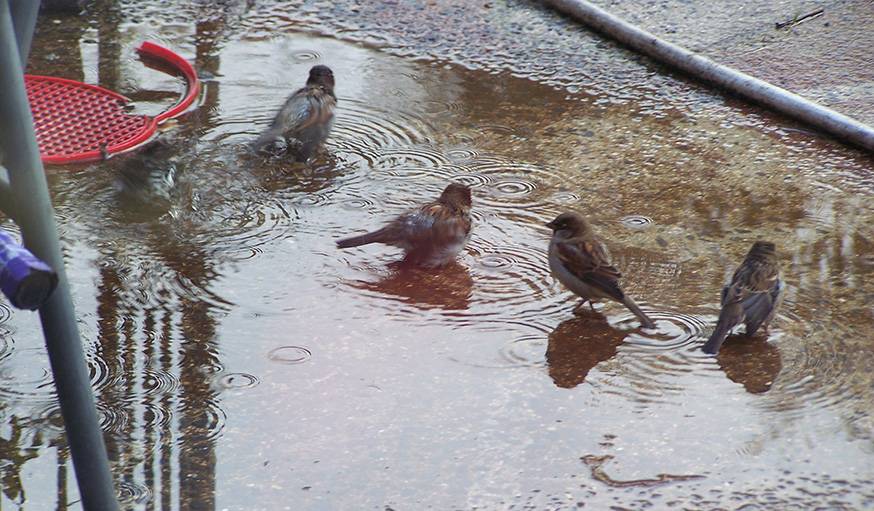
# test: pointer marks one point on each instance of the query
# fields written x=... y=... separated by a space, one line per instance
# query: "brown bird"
x=304 y=121
x=752 y=296
x=579 y=260
x=431 y=235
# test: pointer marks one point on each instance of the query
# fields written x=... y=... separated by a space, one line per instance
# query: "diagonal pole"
x=34 y=214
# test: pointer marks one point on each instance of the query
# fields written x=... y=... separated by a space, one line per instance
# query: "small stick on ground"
x=798 y=19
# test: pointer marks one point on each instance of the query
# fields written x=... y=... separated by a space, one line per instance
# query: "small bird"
x=431 y=235
x=148 y=178
x=752 y=296
x=579 y=260
x=304 y=121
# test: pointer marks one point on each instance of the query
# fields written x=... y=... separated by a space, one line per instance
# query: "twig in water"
x=798 y=19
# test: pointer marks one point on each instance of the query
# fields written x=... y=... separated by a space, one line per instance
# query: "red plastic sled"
x=77 y=122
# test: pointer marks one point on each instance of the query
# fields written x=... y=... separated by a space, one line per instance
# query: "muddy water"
x=242 y=362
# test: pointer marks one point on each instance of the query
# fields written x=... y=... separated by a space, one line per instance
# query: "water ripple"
x=129 y=492
x=636 y=221
x=236 y=381
x=290 y=355
x=27 y=376
x=305 y=55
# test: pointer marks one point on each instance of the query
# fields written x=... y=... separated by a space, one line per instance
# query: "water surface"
x=242 y=362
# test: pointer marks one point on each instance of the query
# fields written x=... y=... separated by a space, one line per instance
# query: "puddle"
x=476 y=386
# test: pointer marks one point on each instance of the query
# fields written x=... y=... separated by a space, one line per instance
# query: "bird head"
x=456 y=195
x=762 y=250
x=570 y=224
x=323 y=76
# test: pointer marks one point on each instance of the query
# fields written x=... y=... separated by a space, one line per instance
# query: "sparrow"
x=304 y=121
x=431 y=235
x=752 y=296
x=579 y=260
x=149 y=177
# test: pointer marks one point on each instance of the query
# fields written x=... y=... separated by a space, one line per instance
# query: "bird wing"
x=755 y=286
x=449 y=225
x=758 y=307
x=301 y=109
x=588 y=261
x=431 y=226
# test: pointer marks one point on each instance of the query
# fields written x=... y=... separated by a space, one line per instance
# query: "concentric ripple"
x=5 y=313
x=156 y=416
x=525 y=351
x=515 y=346
x=7 y=345
x=636 y=221
x=514 y=187
x=305 y=55
x=674 y=330
x=130 y=492
x=102 y=376
x=158 y=382
x=652 y=359
x=113 y=418
x=409 y=156
x=290 y=355
x=239 y=230
x=512 y=275
x=817 y=372
x=27 y=376
x=362 y=128
x=565 y=198
x=237 y=381
x=471 y=179
x=462 y=154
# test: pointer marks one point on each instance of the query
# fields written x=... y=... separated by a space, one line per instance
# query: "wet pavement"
x=242 y=362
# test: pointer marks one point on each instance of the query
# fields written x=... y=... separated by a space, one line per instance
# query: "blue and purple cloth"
x=24 y=279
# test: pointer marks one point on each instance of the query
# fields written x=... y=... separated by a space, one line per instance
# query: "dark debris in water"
x=599 y=473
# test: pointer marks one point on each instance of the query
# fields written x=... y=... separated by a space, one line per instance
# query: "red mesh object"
x=74 y=120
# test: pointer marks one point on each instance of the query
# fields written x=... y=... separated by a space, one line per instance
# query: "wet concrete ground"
x=242 y=362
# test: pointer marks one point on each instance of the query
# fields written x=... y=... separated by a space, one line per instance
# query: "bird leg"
x=582 y=304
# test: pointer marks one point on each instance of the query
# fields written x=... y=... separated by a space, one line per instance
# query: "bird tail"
x=645 y=321
x=380 y=236
x=728 y=319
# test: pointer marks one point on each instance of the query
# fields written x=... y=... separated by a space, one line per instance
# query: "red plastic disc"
x=77 y=122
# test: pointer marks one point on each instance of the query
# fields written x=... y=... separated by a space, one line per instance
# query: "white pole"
x=842 y=127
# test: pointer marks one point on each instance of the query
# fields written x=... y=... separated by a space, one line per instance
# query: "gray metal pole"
x=24 y=13
x=35 y=216
x=843 y=127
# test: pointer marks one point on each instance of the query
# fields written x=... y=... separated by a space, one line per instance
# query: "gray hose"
x=781 y=100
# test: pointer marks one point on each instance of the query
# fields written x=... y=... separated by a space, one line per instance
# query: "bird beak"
x=551 y=225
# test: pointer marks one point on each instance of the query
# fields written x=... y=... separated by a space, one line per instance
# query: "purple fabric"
x=24 y=279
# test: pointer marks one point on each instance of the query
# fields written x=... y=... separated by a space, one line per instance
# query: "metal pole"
x=762 y=92
x=35 y=216
x=24 y=13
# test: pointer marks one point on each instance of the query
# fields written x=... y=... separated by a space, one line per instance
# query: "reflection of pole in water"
x=62 y=504
x=151 y=414
x=196 y=426
x=108 y=339
x=109 y=46
x=166 y=451
x=152 y=442
x=13 y=456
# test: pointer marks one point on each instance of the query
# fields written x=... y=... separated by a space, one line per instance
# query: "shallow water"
x=242 y=362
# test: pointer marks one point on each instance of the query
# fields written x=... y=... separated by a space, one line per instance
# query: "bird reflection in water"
x=579 y=344
x=750 y=361
x=450 y=288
